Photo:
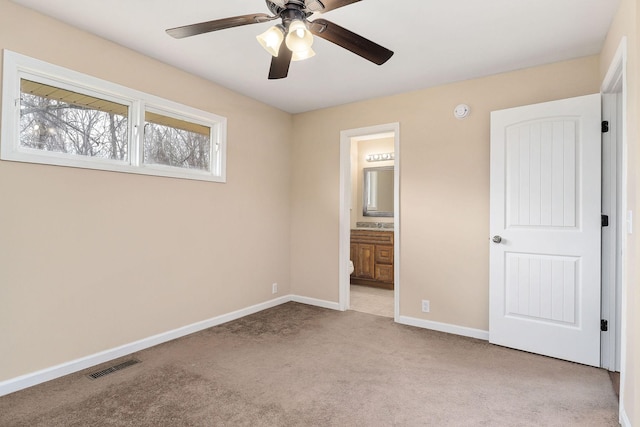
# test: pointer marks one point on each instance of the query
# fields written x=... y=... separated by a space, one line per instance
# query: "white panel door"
x=545 y=229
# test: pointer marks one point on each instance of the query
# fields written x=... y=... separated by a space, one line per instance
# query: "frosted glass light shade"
x=271 y=39
x=303 y=54
x=299 y=38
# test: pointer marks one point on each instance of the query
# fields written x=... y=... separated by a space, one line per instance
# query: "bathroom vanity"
x=372 y=256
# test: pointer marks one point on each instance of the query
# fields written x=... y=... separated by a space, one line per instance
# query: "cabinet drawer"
x=384 y=273
x=384 y=254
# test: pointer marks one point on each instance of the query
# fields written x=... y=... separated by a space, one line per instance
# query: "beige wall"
x=91 y=260
x=444 y=186
x=366 y=147
x=626 y=24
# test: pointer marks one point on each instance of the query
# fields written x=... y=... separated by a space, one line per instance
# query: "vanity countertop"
x=380 y=226
x=372 y=229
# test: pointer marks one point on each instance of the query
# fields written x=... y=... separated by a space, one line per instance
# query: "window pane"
x=174 y=142
x=62 y=121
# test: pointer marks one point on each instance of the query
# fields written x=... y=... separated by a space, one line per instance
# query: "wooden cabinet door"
x=384 y=273
x=353 y=256
x=365 y=261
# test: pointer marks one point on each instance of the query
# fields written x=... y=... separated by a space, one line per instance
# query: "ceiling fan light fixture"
x=271 y=39
x=302 y=55
x=299 y=39
x=296 y=30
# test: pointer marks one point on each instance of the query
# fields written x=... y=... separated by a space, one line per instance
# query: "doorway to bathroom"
x=370 y=219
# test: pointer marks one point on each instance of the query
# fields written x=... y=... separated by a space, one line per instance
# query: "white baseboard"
x=444 y=327
x=34 y=378
x=624 y=418
x=317 y=302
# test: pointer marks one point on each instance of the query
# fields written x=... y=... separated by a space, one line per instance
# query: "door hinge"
x=604 y=325
x=604 y=220
x=605 y=126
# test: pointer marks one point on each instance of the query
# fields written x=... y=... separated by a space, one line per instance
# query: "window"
x=56 y=116
x=62 y=121
x=175 y=142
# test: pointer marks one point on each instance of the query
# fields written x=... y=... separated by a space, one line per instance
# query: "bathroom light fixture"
x=380 y=157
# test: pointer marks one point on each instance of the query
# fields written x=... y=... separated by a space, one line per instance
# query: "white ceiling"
x=435 y=42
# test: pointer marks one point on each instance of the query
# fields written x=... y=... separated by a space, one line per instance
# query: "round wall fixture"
x=461 y=111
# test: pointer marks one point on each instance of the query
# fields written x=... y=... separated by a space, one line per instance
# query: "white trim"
x=34 y=378
x=611 y=151
x=396 y=224
x=41 y=376
x=444 y=327
x=344 y=251
x=47 y=374
x=315 y=302
x=617 y=67
x=624 y=418
x=613 y=236
x=17 y=66
x=346 y=136
x=618 y=72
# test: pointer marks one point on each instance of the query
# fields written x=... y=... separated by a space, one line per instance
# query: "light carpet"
x=297 y=365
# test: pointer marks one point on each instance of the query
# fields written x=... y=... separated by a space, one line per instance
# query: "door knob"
x=496 y=239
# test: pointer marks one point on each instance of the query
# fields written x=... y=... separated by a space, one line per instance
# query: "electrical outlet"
x=425 y=306
x=274 y=288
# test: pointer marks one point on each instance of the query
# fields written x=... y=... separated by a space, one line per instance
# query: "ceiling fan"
x=292 y=39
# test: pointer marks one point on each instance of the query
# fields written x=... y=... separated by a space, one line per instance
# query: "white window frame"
x=17 y=67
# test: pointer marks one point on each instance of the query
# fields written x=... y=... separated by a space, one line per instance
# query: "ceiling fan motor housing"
x=278 y=7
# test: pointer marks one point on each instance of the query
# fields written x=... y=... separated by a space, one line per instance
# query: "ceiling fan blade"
x=334 y=4
x=350 y=41
x=218 y=24
x=280 y=64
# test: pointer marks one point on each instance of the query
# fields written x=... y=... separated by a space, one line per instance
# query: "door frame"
x=614 y=98
x=346 y=138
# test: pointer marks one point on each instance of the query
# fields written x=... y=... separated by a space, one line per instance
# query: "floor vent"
x=113 y=369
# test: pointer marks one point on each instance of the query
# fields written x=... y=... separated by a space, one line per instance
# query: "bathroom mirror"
x=378 y=191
